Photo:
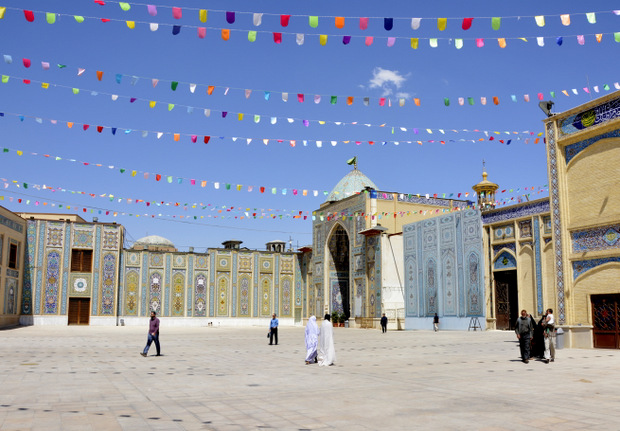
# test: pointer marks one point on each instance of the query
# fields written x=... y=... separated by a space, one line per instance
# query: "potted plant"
x=336 y=319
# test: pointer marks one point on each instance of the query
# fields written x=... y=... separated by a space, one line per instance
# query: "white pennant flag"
x=114 y=97
x=274 y=120
x=415 y=23
x=257 y=19
x=300 y=39
x=192 y=88
x=159 y=135
x=290 y=120
x=285 y=97
x=207 y=112
x=540 y=40
x=154 y=26
x=319 y=144
x=317 y=99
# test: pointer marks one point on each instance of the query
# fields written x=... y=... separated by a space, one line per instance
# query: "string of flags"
x=240 y=116
x=237 y=187
x=241 y=215
x=339 y=21
x=414 y=42
x=206 y=139
x=269 y=95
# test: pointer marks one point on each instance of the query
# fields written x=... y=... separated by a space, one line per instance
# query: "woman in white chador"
x=327 y=354
x=312 y=340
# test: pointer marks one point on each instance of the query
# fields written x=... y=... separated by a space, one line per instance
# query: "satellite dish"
x=546 y=106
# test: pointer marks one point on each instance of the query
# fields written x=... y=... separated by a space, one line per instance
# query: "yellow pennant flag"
x=131 y=24
x=45 y=85
x=152 y=104
x=441 y=23
x=202 y=15
x=414 y=42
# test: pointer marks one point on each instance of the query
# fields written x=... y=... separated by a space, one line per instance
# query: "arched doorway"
x=338 y=276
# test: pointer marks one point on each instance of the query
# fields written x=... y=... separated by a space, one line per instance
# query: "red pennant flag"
x=177 y=12
x=100 y=2
x=29 y=15
x=105 y=20
x=300 y=98
x=284 y=20
x=262 y=189
x=157 y=177
x=277 y=37
x=99 y=129
x=194 y=138
x=26 y=62
x=490 y=139
x=85 y=126
x=206 y=140
x=26 y=81
x=467 y=23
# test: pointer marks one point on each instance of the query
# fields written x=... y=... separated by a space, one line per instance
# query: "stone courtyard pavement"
x=81 y=378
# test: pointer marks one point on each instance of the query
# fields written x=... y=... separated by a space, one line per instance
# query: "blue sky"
x=353 y=70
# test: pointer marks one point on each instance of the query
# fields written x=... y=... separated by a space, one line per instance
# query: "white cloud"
x=387 y=80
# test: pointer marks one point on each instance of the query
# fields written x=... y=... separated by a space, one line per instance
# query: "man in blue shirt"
x=273 y=329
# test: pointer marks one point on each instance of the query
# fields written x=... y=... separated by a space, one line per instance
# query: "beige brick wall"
x=592 y=184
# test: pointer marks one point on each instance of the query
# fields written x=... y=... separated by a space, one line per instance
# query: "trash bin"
x=346 y=323
x=559 y=338
x=122 y=322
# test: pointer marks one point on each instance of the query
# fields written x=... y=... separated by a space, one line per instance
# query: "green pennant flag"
x=174 y=85
x=446 y=101
x=122 y=171
x=333 y=100
x=496 y=22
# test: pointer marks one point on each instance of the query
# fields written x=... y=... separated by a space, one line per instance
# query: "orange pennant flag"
x=177 y=136
x=225 y=34
x=496 y=100
x=210 y=89
x=69 y=124
x=599 y=37
x=339 y=22
x=416 y=101
x=99 y=75
x=349 y=100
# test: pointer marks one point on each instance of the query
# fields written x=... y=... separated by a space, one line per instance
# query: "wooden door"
x=79 y=311
x=606 y=321
x=502 y=305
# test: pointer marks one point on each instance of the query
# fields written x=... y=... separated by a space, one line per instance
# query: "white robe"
x=327 y=354
x=312 y=339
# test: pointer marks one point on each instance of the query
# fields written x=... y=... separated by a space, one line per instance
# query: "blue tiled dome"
x=352 y=183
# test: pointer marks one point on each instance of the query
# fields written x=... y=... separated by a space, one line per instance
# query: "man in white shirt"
x=548 y=328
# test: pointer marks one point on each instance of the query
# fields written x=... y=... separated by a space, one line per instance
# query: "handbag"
x=268 y=334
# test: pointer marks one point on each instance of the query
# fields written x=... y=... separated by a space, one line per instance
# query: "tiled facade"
x=12 y=247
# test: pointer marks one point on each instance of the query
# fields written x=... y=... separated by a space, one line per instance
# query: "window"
x=81 y=261
x=13 y=256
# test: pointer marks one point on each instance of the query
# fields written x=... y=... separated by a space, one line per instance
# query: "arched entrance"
x=338 y=276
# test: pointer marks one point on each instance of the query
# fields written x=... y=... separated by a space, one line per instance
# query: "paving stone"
x=229 y=379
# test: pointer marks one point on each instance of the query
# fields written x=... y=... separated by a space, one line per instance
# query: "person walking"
x=327 y=353
x=384 y=321
x=436 y=322
x=153 y=335
x=548 y=327
x=312 y=340
x=273 y=329
x=524 y=329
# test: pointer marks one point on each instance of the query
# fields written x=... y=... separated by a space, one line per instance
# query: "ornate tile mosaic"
x=202 y=261
x=178 y=292
x=505 y=261
x=510 y=246
x=179 y=260
x=108 y=284
x=11 y=224
x=82 y=238
x=132 y=259
x=547 y=225
x=156 y=259
x=597 y=115
x=52 y=279
x=574 y=149
x=525 y=229
x=10 y=289
x=80 y=285
x=132 y=298
x=504 y=232
x=515 y=211
x=554 y=197
x=600 y=238
x=55 y=234
x=200 y=302
x=110 y=237
x=582 y=266
x=443 y=266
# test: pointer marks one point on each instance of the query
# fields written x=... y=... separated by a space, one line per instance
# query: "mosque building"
x=373 y=251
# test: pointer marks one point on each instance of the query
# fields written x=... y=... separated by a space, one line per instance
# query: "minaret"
x=486 y=192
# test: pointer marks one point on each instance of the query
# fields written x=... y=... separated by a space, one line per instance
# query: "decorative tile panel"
x=515 y=211
x=600 y=238
x=200 y=302
x=504 y=232
x=525 y=229
x=80 y=284
x=55 y=234
x=583 y=266
x=111 y=238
